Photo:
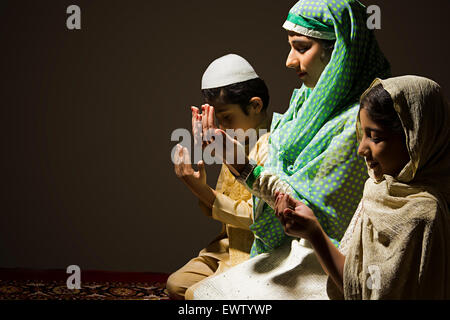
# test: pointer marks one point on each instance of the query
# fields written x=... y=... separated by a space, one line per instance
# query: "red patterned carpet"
x=22 y=284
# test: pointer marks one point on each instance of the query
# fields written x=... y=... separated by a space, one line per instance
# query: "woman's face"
x=306 y=58
x=385 y=151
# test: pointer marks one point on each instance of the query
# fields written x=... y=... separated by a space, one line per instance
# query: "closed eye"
x=301 y=45
x=376 y=140
x=374 y=134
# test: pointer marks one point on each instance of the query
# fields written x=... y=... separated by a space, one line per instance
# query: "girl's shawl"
x=399 y=246
x=313 y=145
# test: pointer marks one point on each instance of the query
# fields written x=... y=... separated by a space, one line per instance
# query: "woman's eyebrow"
x=300 y=41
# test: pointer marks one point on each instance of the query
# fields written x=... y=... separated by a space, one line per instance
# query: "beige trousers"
x=181 y=284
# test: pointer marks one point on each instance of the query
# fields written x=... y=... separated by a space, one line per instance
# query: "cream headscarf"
x=398 y=244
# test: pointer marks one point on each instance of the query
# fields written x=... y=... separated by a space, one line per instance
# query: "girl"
x=397 y=245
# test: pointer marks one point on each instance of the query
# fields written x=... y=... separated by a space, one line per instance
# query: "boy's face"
x=231 y=116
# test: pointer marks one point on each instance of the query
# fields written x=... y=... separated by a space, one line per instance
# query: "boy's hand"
x=203 y=125
x=297 y=219
x=197 y=126
x=208 y=124
x=233 y=153
x=195 y=180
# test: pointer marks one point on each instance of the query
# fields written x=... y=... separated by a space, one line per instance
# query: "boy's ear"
x=257 y=104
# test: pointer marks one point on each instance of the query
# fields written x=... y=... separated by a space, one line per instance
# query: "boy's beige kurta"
x=232 y=207
x=398 y=244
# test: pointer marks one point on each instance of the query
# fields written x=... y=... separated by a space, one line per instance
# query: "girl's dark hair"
x=380 y=108
x=239 y=93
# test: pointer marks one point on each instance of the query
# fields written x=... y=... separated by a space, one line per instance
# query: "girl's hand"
x=297 y=219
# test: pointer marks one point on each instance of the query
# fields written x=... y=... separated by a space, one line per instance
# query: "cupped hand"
x=195 y=180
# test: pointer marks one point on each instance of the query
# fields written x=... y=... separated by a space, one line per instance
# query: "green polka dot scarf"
x=313 y=146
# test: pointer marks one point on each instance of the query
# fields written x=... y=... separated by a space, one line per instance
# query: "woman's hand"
x=297 y=219
x=195 y=180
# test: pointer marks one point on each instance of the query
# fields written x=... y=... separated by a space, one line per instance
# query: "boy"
x=240 y=99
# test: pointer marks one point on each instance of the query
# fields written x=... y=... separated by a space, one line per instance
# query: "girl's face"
x=306 y=57
x=385 y=151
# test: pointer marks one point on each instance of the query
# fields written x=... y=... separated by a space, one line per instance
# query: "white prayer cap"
x=227 y=70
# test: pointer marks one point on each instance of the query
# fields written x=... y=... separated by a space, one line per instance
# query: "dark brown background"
x=86 y=117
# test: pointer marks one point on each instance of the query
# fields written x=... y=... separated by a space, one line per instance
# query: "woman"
x=397 y=246
x=312 y=147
